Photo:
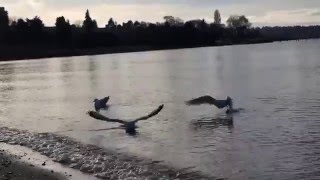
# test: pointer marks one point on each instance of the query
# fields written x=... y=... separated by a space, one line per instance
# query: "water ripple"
x=93 y=159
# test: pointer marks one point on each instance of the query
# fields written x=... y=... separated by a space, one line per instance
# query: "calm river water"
x=276 y=136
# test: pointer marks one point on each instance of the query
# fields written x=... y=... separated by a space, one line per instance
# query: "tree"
x=94 y=24
x=21 y=31
x=136 y=24
x=238 y=22
x=111 y=24
x=4 y=18
x=172 y=21
x=4 y=22
x=217 y=17
x=21 y=26
x=30 y=30
x=128 y=25
x=36 y=25
x=60 y=22
x=179 y=21
x=88 y=24
x=168 y=18
x=203 y=24
x=63 y=29
x=12 y=21
x=143 y=24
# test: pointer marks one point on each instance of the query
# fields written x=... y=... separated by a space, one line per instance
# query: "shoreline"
x=12 y=167
x=97 y=161
x=39 y=163
x=13 y=53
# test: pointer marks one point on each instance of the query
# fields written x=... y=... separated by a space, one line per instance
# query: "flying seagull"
x=100 y=103
x=212 y=101
x=129 y=126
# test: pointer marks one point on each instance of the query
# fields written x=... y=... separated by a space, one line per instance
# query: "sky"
x=259 y=12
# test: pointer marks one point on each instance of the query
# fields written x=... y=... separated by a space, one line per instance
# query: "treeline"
x=172 y=31
x=290 y=33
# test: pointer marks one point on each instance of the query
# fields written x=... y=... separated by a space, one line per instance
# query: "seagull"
x=129 y=126
x=100 y=103
x=212 y=101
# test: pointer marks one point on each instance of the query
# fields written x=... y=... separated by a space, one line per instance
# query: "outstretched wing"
x=153 y=113
x=98 y=116
x=201 y=100
x=104 y=100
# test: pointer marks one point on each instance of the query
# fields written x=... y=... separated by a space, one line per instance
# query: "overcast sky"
x=259 y=12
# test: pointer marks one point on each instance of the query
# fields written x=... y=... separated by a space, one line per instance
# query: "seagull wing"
x=98 y=116
x=104 y=100
x=153 y=113
x=202 y=100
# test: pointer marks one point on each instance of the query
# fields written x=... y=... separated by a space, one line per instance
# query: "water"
x=274 y=137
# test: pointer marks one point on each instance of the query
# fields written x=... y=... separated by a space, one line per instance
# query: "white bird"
x=129 y=126
x=212 y=101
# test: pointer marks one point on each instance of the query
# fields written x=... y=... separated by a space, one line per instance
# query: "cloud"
x=286 y=17
x=299 y=11
x=317 y=13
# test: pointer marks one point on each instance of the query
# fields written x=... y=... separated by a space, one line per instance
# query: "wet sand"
x=11 y=167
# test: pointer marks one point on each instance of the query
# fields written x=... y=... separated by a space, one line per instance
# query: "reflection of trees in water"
x=115 y=64
x=7 y=89
x=220 y=70
x=7 y=75
x=92 y=64
x=67 y=65
x=6 y=69
x=66 y=69
x=92 y=69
